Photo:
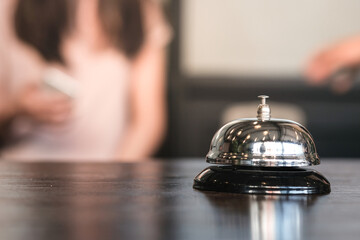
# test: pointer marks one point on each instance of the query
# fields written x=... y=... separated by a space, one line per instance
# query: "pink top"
x=101 y=104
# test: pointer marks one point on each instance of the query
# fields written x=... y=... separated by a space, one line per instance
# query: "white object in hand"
x=59 y=81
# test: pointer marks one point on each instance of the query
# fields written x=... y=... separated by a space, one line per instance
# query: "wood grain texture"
x=155 y=200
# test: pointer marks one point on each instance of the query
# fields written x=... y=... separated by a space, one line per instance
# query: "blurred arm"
x=148 y=107
x=148 y=91
x=21 y=71
x=7 y=108
x=343 y=55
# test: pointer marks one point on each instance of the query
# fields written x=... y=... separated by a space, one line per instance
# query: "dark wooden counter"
x=155 y=200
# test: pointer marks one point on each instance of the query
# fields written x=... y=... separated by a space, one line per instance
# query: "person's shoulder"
x=157 y=28
x=7 y=9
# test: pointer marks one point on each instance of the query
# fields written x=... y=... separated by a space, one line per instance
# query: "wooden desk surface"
x=155 y=200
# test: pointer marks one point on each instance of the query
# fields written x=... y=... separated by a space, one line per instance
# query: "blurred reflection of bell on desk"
x=262 y=156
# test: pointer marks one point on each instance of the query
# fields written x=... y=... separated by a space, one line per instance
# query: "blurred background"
x=226 y=53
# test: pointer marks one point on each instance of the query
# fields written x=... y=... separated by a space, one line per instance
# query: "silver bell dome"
x=263 y=141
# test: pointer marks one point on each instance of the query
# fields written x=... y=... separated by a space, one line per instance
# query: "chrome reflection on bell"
x=264 y=147
x=263 y=142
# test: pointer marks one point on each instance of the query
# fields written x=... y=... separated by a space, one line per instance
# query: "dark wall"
x=334 y=121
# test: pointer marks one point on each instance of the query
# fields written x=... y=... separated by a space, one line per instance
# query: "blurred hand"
x=44 y=106
x=339 y=57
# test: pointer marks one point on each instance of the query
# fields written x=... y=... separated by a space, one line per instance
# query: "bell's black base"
x=261 y=180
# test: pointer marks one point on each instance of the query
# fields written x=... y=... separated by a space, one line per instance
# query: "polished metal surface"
x=251 y=142
x=263 y=141
x=263 y=111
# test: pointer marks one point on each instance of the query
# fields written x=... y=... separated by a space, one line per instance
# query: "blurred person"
x=336 y=65
x=109 y=55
